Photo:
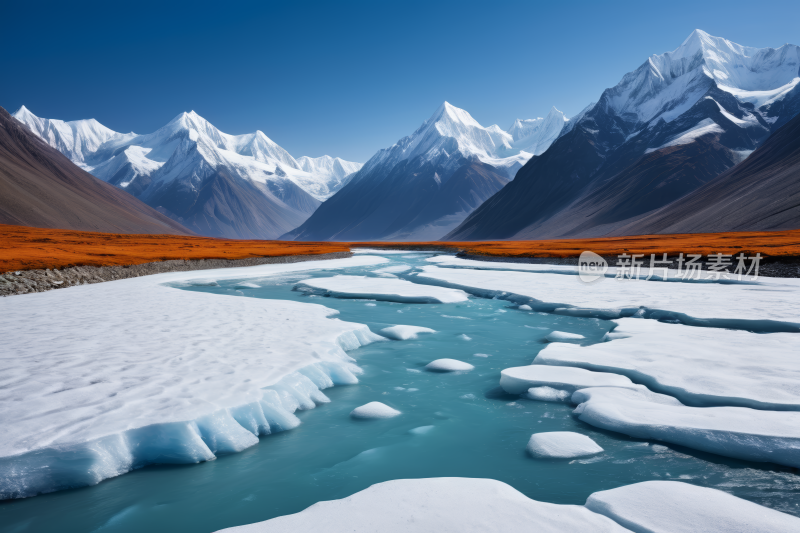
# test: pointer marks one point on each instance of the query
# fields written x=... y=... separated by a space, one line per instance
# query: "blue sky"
x=344 y=78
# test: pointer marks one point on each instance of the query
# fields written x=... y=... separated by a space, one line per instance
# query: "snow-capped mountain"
x=667 y=128
x=536 y=135
x=181 y=166
x=407 y=192
x=334 y=172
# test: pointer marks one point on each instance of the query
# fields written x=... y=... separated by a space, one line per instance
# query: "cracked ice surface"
x=699 y=366
x=98 y=379
x=390 y=290
x=776 y=299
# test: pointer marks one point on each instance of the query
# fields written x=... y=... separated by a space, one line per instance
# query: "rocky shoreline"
x=28 y=281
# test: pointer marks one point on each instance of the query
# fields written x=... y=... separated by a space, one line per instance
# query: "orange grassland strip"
x=23 y=248
x=768 y=243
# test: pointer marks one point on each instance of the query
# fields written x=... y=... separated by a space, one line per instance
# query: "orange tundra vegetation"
x=24 y=248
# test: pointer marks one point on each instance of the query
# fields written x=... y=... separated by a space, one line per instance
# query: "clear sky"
x=344 y=78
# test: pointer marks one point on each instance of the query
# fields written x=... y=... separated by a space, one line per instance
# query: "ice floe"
x=390 y=290
x=561 y=445
x=771 y=304
x=404 y=333
x=96 y=380
x=677 y=507
x=563 y=336
x=394 y=269
x=448 y=365
x=518 y=380
x=699 y=366
x=738 y=432
x=437 y=504
x=374 y=410
x=548 y=394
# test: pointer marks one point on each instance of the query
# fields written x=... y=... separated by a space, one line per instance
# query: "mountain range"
x=220 y=185
x=667 y=129
x=428 y=182
x=40 y=187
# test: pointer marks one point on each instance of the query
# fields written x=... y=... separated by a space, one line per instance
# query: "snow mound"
x=404 y=333
x=374 y=410
x=738 y=432
x=448 y=365
x=437 y=504
x=156 y=382
x=519 y=379
x=548 y=394
x=563 y=336
x=702 y=367
x=676 y=507
x=390 y=290
x=561 y=445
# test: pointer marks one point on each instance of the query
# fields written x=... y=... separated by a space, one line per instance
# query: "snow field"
x=100 y=379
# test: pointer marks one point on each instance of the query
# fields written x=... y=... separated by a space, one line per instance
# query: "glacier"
x=97 y=380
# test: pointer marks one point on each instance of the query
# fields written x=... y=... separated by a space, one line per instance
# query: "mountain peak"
x=452 y=114
x=23 y=113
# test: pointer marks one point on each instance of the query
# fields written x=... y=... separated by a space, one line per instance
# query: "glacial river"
x=456 y=424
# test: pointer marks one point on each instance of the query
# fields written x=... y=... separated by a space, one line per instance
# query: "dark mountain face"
x=40 y=187
x=762 y=193
x=649 y=141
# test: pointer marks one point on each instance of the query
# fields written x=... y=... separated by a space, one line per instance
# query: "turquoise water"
x=452 y=425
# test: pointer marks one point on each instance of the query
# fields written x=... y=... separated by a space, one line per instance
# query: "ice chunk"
x=439 y=504
x=465 y=337
x=519 y=379
x=422 y=430
x=561 y=445
x=404 y=333
x=390 y=290
x=374 y=410
x=246 y=285
x=563 y=336
x=525 y=307
x=699 y=366
x=449 y=365
x=738 y=432
x=677 y=507
x=548 y=394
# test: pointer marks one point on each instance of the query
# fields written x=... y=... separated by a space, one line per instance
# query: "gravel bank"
x=25 y=281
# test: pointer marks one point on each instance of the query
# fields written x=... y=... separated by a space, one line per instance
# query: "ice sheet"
x=676 y=507
x=98 y=379
x=446 y=505
x=390 y=290
x=519 y=379
x=770 y=299
x=699 y=366
x=738 y=432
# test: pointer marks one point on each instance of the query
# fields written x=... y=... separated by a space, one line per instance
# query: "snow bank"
x=563 y=336
x=700 y=366
x=404 y=333
x=738 y=432
x=448 y=365
x=374 y=410
x=437 y=504
x=772 y=304
x=675 y=507
x=561 y=445
x=96 y=380
x=390 y=290
x=519 y=379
